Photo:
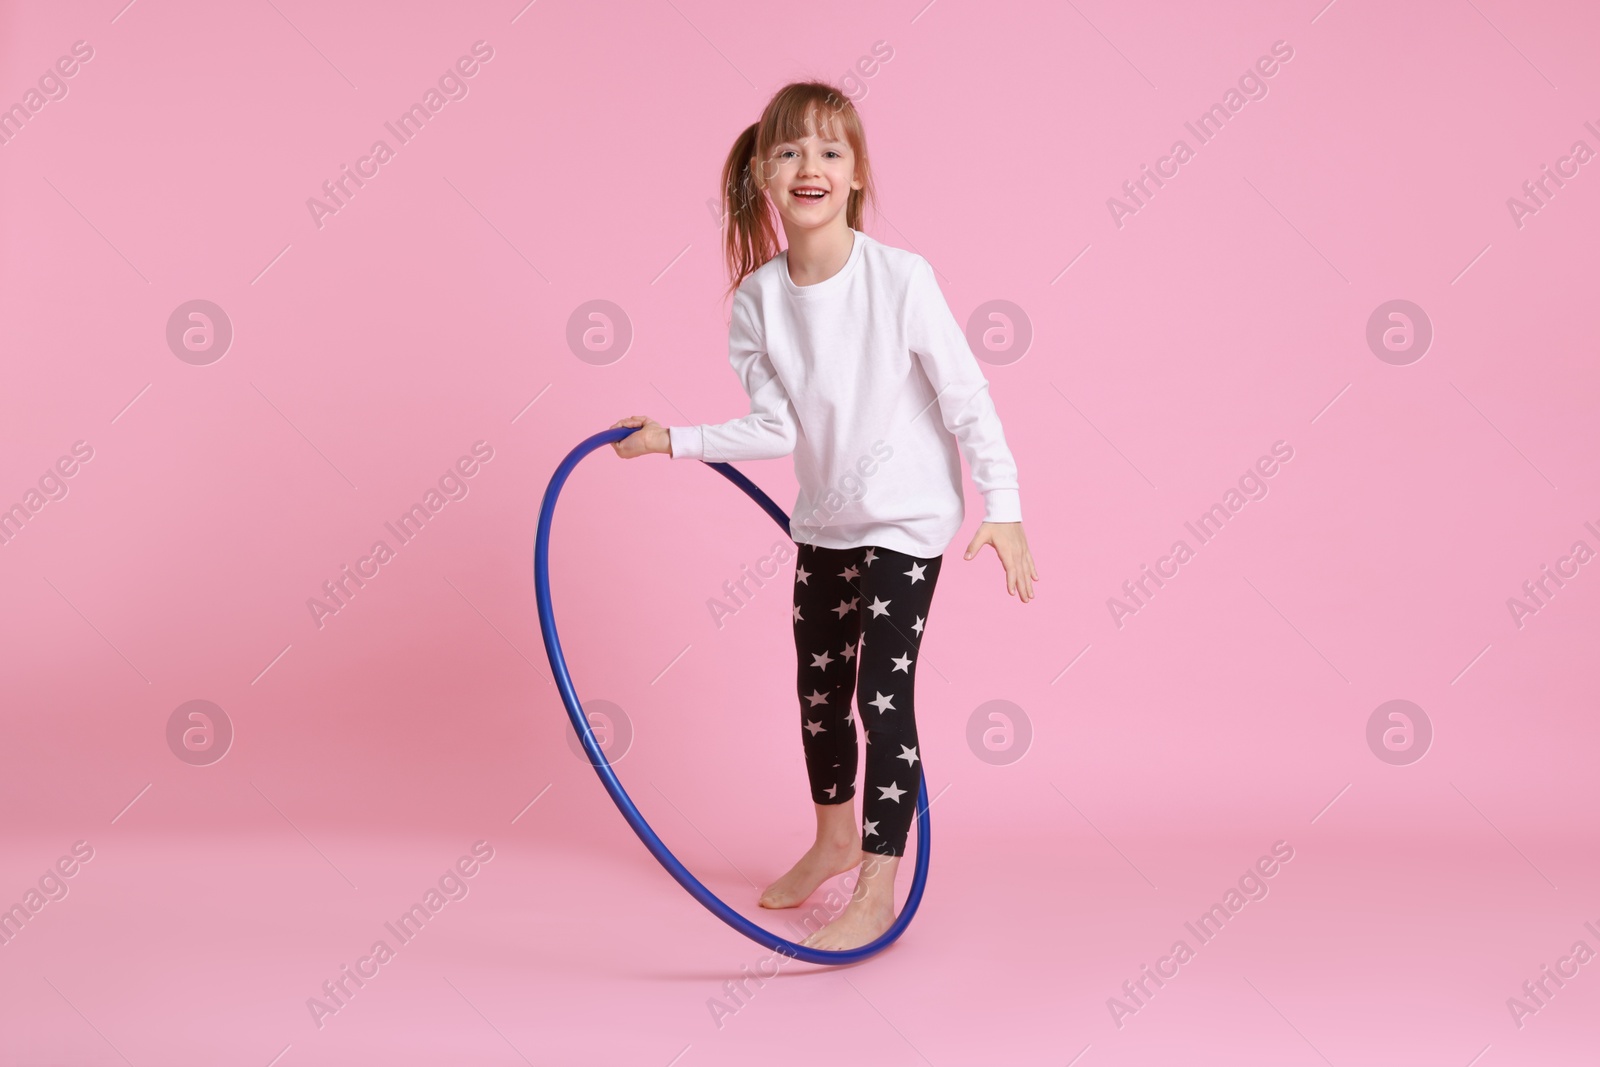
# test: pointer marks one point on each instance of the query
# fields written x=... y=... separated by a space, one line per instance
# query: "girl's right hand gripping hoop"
x=608 y=777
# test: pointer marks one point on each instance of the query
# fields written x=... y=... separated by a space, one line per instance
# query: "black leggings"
x=873 y=601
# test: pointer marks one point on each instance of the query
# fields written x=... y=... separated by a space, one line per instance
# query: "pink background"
x=369 y=354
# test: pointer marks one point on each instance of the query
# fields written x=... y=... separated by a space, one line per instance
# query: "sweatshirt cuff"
x=688 y=442
x=1002 y=505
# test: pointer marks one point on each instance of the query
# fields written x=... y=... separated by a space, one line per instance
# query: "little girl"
x=844 y=345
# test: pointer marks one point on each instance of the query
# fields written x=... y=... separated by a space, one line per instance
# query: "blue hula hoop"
x=608 y=777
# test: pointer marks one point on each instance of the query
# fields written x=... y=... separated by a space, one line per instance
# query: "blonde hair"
x=751 y=239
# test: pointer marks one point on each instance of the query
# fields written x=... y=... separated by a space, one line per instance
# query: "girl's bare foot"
x=821 y=862
x=838 y=848
x=870 y=911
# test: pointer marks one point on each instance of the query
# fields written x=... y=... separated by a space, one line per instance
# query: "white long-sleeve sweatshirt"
x=868 y=380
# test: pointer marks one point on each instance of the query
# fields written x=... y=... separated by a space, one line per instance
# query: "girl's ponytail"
x=751 y=239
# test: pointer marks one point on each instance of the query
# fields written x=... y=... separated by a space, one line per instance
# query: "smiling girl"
x=845 y=345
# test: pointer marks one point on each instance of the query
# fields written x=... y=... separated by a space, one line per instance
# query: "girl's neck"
x=817 y=255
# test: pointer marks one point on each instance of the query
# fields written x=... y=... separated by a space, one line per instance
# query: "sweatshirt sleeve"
x=962 y=392
x=770 y=430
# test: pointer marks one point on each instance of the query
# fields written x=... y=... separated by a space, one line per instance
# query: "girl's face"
x=809 y=180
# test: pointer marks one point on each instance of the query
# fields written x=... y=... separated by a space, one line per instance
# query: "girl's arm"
x=968 y=412
x=769 y=431
x=963 y=394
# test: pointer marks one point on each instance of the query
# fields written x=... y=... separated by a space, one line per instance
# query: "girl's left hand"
x=1011 y=545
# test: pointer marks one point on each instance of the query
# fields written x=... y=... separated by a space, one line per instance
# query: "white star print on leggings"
x=859 y=615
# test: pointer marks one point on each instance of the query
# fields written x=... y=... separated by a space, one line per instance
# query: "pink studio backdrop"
x=1157 y=350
